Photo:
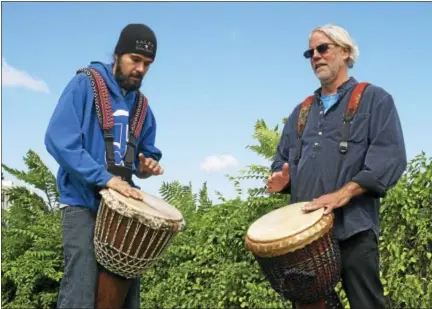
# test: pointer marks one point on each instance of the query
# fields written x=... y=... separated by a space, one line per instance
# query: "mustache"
x=137 y=75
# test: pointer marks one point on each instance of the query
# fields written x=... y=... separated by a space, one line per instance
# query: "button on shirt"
x=376 y=156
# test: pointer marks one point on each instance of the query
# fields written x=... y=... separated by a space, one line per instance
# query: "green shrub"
x=207 y=265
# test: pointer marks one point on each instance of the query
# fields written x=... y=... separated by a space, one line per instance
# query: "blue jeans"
x=78 y=286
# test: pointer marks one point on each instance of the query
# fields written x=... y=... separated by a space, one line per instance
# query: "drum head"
x=150 y=206
x=283 y=222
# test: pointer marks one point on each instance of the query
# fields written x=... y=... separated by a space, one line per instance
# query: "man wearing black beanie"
x=75 y=139
x=137 y=43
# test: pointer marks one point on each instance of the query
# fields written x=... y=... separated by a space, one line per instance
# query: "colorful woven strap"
x=101 y=96
x=354 y=101
x=139 y=114
x=303 y=114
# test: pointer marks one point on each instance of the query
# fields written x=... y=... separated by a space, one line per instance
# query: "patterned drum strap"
x=101 y=97
x=301 y=124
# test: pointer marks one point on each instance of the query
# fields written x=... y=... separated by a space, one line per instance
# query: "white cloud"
x=217 y=163
x=12 y=77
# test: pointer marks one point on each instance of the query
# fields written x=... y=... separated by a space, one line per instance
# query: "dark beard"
x=123 y=79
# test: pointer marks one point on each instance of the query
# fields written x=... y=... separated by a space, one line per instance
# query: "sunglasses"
x=322 y=48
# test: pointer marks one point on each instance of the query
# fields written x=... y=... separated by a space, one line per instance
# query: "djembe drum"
x=130 y=235
x=298 y=255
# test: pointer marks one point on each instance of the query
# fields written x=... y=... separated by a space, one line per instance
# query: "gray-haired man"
x=348 y=183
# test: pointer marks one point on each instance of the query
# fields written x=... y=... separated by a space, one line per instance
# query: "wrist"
x=351 y=189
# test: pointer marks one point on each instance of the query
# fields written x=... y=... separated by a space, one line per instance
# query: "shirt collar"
x=342 y=89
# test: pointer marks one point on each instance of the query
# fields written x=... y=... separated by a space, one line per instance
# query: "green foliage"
x=32 y=259
x=267 y=143
x=39 y=176
x=406 y=237
x=207 y=264
x=267 y=138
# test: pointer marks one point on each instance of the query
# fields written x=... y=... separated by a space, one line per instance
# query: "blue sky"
x=219 y=67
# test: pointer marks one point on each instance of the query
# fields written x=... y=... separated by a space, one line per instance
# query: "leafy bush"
x=207 y=265
x=406 y=237
x=32 y=253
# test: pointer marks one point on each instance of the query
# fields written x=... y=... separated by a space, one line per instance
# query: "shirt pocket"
x=359 y=129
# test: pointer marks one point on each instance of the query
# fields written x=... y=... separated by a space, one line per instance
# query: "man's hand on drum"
x=149 y=166
x=328 y=201
x=278 y=180
x=124 y=188
x=336 y=199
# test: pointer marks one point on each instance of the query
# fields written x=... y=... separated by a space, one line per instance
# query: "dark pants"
x=78 y=286
x=360 y=274
x=360 y=271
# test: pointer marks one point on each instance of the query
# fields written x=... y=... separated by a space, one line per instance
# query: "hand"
x=149 y=166
x=278 y=180
x=336 y=199
x=124 y=188
x=328 y=201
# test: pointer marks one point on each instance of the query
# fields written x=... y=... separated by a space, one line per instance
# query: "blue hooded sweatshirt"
x=75 y=140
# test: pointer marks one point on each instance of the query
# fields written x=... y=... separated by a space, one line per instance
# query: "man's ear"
x=346 y=53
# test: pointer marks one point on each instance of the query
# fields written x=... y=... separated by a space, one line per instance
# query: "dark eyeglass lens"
x=320 y=48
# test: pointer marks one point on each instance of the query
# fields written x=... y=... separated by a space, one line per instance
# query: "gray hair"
x=341 y=38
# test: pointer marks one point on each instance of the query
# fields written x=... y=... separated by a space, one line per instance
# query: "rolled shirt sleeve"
x=385 y=159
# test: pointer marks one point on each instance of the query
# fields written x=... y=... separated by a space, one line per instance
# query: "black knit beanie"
x=137 y=39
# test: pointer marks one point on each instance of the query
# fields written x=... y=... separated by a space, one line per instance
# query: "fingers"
x=136 y=194
x=157 y=170
x=124 y=188
x=285 y=170
x=142 y=158
x=311 y=206
x=328 y=210
x=318 y=203
x=149 y=165
x=278 y=180
x=129 y=191
x=269 y=188
x=132 y=192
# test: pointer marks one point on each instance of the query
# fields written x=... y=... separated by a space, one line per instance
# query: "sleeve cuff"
x=106 y=176
x=276 y=167
x=369 y=182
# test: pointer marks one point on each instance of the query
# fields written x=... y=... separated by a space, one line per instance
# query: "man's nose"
x=141 y=68
x=316 y=55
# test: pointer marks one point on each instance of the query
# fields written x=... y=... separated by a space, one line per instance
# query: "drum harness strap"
x=106 y=121
x=348 y=117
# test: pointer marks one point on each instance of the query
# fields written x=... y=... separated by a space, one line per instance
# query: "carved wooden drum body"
x=297 y=253
x=130 y=235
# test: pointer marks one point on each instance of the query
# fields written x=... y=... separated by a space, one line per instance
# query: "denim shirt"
x=376 y=156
